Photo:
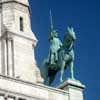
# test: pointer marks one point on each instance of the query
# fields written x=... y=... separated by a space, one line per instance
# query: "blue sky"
x=84 y=16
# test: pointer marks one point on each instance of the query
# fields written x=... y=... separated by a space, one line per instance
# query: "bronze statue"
x=61 y=55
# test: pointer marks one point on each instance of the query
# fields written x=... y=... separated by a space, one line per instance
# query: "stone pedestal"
x=74 y=88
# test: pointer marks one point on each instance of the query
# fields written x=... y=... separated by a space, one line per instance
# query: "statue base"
x=74 y=88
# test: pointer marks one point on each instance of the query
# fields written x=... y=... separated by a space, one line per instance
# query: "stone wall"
x=16 y=89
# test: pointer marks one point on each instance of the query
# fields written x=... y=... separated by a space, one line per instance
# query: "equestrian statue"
x=60 y=56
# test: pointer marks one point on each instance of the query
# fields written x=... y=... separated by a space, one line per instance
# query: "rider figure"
x=55 y=44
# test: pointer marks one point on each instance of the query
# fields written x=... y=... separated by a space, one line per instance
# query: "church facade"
x=17 y=41
x=20 y=77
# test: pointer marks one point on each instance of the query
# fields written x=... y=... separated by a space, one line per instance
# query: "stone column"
x=3 y=45
x=12 y=50
x=7 y=57
x=10 y=57
x=74 y=88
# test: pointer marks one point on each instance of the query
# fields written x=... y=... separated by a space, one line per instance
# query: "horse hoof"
x=61 y=81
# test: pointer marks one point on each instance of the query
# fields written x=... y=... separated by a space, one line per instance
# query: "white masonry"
x=17 y=41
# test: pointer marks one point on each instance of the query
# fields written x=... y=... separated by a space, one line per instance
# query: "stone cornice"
x=14 y=1
x=19 y=35
x=33 y=84
x=71 y=83
x=9 y=1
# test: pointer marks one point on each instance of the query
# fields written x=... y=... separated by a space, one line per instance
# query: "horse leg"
x=46 y=81
x=51 y=79
x=72 y=70
x=51 y=75
x=62 y=71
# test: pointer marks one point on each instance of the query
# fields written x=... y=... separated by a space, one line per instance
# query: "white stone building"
x=19 y=75
x=17 y=41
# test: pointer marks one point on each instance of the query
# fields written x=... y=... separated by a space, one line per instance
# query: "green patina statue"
x=61 y=55
x=55 y=45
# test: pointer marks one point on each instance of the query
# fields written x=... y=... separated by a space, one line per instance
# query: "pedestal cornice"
x=73 y=83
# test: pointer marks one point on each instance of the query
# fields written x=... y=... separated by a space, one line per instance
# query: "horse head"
x=69 y=38
x=71 y=33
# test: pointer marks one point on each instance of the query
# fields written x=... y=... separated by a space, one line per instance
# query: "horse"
x=65 y=59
